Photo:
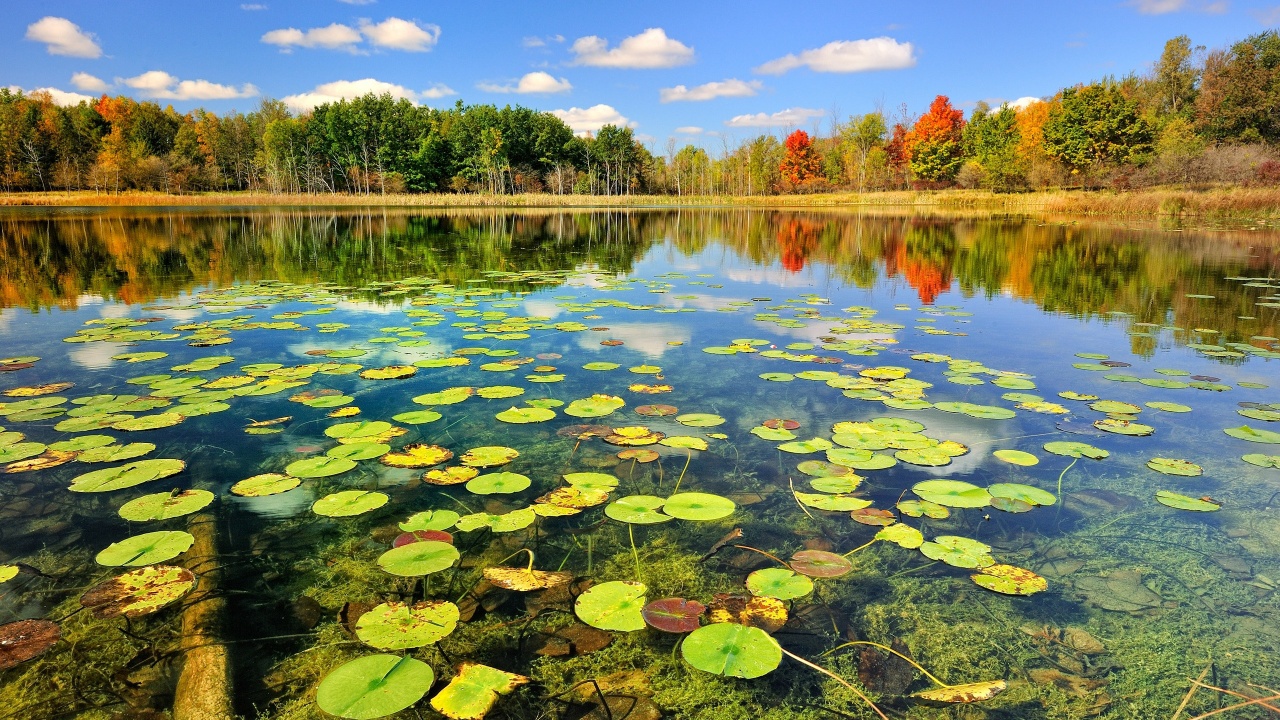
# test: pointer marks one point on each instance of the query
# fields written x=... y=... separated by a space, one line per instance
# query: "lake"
x=714 y=463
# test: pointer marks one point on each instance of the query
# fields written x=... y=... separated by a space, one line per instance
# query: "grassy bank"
x=1223 y=202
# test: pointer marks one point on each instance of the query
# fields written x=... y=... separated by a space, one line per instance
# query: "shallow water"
x=963 y=330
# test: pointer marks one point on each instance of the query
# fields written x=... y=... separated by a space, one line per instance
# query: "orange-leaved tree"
x=801 y=163
x=933 y=145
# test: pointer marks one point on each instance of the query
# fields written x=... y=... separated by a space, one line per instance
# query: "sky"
x=698 y=71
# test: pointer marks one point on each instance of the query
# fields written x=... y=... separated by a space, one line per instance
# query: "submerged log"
x=204 y=687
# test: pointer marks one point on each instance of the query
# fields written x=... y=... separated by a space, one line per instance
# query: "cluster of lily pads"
x=736 y=638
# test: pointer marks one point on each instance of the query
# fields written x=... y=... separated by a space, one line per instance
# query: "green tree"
x=1095 y=126
x=991 y=139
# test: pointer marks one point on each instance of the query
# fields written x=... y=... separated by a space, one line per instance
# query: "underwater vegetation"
x=579 y=493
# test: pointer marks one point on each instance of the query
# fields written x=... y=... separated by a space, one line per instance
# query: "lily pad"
x=430 y=520
x=614 y=605
x=1024 y=493
x=418 y=455
x=820 y=563
x=595 y=406
x=318 y=467
x=1017 y=457
x=264 y=485
x=1261 y=460
x=967 y=693
x=126 y=476
x=139 y=592
x=115 y=453
x=780 y=583
x=399 y=626
x=698 y=506
x=521 y=416
x=1128 y=427
x=26 y=640
x=1184 y=502
x=374 y=686
x=952 y=493
x=348 y=503
x=474 y=691
x=146 y=549
x=1172 y=466
x=901 y=535
x=1075 y=450
x=489 y=456
x=958 y=551
x=833 y=503
x=1244 y=432
x=638 y=510
x=732 y=650
x=1010 y=580
x=419 y=558
x=162 y=506
x=499 y=483
x=357 y=430
x=417 y=417
x=674 y=615
x=700 y=420
x=525 y=579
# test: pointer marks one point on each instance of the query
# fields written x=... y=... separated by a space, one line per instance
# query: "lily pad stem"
x=634 y=553
x=688 y=460
x=888 y=649
x=1060 y=476
x=837 y=678
x=862 y=547
x=771 y=557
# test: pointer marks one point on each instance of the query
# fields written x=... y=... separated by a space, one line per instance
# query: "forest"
x=1197 y=118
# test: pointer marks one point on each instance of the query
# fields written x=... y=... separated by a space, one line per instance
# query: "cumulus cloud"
x=534 y=82
x=689 y=130
x=589 y=120
x=89 y=83
x=331 y=37
x=392 y=34
x=782 y=118
x=650 y=49
x=847 y=56
x=59 y=97
x=348 y=89
x=397 y=34
x=537 y=42
x=160 y=85
x=710 y=91
x=1023 y=102
x=63 y=37
x=1158 y=7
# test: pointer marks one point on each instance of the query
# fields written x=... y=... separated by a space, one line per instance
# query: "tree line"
x=1196 y=118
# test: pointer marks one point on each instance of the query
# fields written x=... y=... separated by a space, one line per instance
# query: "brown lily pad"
x=449 y=475
x=640 y=455
x=674 y=615
x=657 y=410
x=584 y=432
x=820 y=563
x=780 y=424
x=966 y=693
x=139 y=592
x=420 y=536
x=524 y=579
x=874 y=516
x=26 y=639
x=768 y=614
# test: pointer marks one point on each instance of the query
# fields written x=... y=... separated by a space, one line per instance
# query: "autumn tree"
x=1239 y=98
x=801 y=163
x=934 y=143
x=991 y=139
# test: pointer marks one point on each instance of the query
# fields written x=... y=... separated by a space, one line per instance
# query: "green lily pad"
x=115 y=453
x=506 y=522
x=374 y=686
x=592 y=480
x=732 y=650
x=84 y=442
x=162 y=506
x=922 y=508
x=779 y=583
x=1017 y=457
x=319 y=466
x=359 y=451
x=21 y=451
x=450 y=396
x=1172 y=466
x=901 y=535
x=613 y=605
x=357 y=430
x=601 y=366
x=833 y=503
x=1024 y=493
x=1261 y=460
x=772 y=434
x=1009 y=580
x=958 y=551
x=500 y=392
x=594 y=406
x=126 y=476
x=700 y=420
x=489 y=456
x=149 y=422
x=1128 y=427
x=521 y=416
x=777 y=377
x=685 y=442
x=264 y=485
x=924 y=457
x=1115 y=406
x=952 y=493
x=430 y=520
x=698 y=506
x=801 y=447
x=474 y=691
x=347 y=503
x=638 y=510
x=1244 y=432
x=498 y=483
x=417 y=417
x=398 y=626
x=837 y=484
x=139 y=592
x=1075 y=449
x=1168 y=406
x=146 y=549
x=419 y=558
x=1183 y=502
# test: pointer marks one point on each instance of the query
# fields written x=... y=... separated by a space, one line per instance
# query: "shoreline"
x=1241 y=203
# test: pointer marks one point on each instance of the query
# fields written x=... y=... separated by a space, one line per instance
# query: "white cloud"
x=689 y=130
x=160 y=85
x=63 y=37
x=1269 y=16
x=534 y=82
x=847 y=56
x=589 y=120
x=782 y=118
x=348 y=89
x=397 y=34
x=331 y=37
x=710 y=91
x=1157 y=7
x=89 y=83
x=537 y=42
x=252 y=6
x=1023 y=102
x=650 y=49
x=59 y=97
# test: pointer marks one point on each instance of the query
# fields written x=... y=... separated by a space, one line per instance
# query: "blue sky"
x=691 y=70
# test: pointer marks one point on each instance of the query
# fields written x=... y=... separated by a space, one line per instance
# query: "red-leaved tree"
x=801 y=163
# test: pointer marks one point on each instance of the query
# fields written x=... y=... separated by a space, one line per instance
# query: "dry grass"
x=1221 y=202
